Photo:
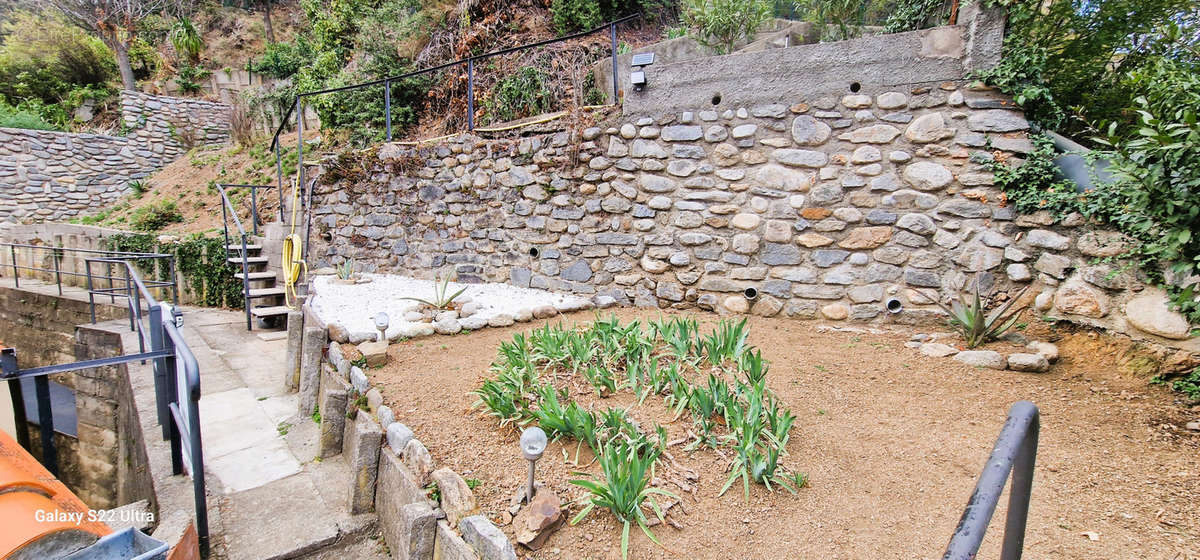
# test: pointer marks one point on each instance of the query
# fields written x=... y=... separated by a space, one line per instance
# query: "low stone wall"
x=48 y=176
x=390 y=467
x=819 y=208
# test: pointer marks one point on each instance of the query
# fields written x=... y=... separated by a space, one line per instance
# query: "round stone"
x=808 y=131
x=745 y=221
x=927 y=176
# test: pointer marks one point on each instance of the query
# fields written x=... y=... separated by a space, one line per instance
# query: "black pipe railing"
x=1015 y=452
x=61 y=255
x=227 y=209
x=298 y=106
x=176 y=383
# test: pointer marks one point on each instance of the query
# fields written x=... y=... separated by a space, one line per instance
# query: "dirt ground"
x=893 y=442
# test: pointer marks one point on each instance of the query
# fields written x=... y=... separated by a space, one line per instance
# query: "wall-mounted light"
x=381 y=324
x=533 y=444
x=637 y=76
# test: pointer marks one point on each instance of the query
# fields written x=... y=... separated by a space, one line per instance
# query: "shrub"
x=43 y=60
x=578 y=15
x=520 y=95
x=720 y=24
x=188 y=78
x=282 y=60
x=154 y=217
x=20 y=117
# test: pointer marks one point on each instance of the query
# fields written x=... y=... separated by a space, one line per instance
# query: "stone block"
x=457 y=500
x=486 y=538
x=449 y=546
x=361 y=442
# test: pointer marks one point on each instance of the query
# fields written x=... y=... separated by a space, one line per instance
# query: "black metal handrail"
x=1015 y=452
x=58 y=254
x=227 y=209
x=177 y=393
x=297 y=105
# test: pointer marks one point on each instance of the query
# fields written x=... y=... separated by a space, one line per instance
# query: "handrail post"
x=387 y=107
x=129 y=298
x=612 y=37
x=174 y=283
x=246 y=284
x=16 y=270
x=279 y=177
x=56 y=254
x=1015 y=453
x=254 y=209
x=159 y=368
x=300 y=139
x=8 y=366
x=87 y=267
x=470 y=93
x=41 y=387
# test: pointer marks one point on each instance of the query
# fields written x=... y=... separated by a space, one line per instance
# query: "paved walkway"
x=269 y=496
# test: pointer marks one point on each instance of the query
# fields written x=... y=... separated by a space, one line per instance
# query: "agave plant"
x=626 y=487
x=345 y=270
x=440 y=300
x=976 y=326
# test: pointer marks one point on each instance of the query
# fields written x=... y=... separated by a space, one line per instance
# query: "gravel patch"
x=354 y=306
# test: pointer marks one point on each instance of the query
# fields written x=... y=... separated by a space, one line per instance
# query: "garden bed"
x=892 y=442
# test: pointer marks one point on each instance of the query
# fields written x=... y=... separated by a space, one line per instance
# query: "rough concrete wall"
x=111 y=450
x=49 y=176
x=102 y=465
x=826 y=206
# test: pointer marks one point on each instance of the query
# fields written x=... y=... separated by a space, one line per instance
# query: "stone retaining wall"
x=818 y=208
x=390 y=467
x=50 y=176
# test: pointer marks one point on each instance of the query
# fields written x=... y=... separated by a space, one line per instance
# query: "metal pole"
x=41 y=387
x=87 y=267
x=56 y=254
x=529 y=488
x=129 y=300
x=174 y=283
x=16 y=270
x=19 y=416
x=160 y=371
x=612 y=38
x=1019 y=495
x=246 y=284
x=387 y=107
x=254 y=209
x=279 y=175
x=300 y=139
x=470 y=93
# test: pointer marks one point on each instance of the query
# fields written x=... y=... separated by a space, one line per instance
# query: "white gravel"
x=354 y=306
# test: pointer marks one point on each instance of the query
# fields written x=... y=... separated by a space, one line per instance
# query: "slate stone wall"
x=54 y=176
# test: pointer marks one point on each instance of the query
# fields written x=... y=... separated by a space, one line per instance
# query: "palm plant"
x=625 y=488
x=969 y=318
x=440 y=300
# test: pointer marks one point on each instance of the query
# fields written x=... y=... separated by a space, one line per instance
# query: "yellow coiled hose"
x=291 y=261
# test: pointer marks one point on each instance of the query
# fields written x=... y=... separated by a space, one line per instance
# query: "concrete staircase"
x=262 y=286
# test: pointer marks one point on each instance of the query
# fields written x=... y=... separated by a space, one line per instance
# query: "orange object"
x=41 y=516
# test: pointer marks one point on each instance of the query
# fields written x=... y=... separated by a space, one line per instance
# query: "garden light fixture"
x=533 y=444
x=381 y=323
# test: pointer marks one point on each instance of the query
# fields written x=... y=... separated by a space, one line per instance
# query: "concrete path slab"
x=277 y=520
x=254 y=466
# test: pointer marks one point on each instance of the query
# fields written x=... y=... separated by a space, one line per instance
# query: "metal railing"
x=176 y=383
x=297 y=107
x=227 y=209
x=65 y=262
x=1015 y=452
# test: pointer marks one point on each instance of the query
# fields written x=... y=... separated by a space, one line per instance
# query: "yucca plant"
x=969 y=318
x=439 y=301
x=625 y=487
x=186 y=40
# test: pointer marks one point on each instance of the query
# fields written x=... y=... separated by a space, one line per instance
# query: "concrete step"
x=271 y=311
x=249 y=247
x=265 y=292
x=264 y=275
x=249 y=260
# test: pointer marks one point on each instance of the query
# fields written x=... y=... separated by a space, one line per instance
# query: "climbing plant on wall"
x=199 y=260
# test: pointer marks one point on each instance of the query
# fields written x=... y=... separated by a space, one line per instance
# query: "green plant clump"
x=1188 y=384
x=154 y=217
x=972 y=321
x=200 y=262
x=716 y=376
x=520 y=95
x=440 y=299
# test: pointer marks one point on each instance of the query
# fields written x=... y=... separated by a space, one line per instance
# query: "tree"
x=114 y=21
x=265 y=5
